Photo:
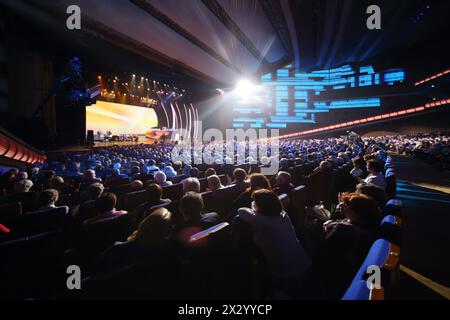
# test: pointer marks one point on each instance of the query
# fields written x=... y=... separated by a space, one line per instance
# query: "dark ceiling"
x=220 y=41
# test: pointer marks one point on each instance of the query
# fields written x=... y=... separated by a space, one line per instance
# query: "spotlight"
x=245 y=89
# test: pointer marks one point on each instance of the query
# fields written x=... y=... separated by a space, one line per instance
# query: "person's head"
x=375 y=192
x=94 y=191
x=239 y=175
x=154 y=192
x=154 y=229
x=144 y=169
x=194 y=172
x=360 y=209
x=191 y=185
x=135 y=170
x=359 y=162
x=35 y=171
x=283 y=178
x=22 y=175
x=374 y=166
x=106 y=202
x=191 y=205
x=210 y=172
x=23 y=186
x=136 y=185
x=214 y=183
x=48 y=197
x=160 y=177
x=325 y=166
x=89 y=174
x=56 y=182
x=266 y=202
x=258 y=181
x=284 y=163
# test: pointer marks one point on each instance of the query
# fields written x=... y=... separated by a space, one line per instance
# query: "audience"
x=283 y=183
x=154 y=198
x=274 y=234
x=257 y=181
x=160 y=178
x=191 y=185
x=105 y=206
x=214 y=183
x=47 y=200
x=376 y=176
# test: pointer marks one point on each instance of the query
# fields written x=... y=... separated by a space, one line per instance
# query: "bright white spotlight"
x=247 y=90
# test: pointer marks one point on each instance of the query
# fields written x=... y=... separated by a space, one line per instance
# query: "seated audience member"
x=152 y=166
x=375 y=192
x=376 y=176
x=21 y=175
x=214 y=183
x=89 y=177
x=135 y=185
x=169 y=171
x=240 y=175
x=160 y=178
x=191 y=185
x=257 y=181
x=91 y=194
x=148 y=244
x=57 y=182
x=191 y=206
x=359 y=168
x=135 y=172
x=194 y=172
x=274 y=234
x=105 y=206
x=347 y=242
x=154 y=198
x=210 y=172
x=47 y=200
x=283 y=183
x=115 y=176
x=22 y=186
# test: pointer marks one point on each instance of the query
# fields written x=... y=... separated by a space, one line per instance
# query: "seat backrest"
x=285 y=202
x=359 y=290
x=173 y=192
x=203 y=184
x=209 y=233
x=382 y=254
x=45 y=220
x=29 y=200
x=298 y=206
x=103 y=233
x=132 y=200
x=10 y=213
x=223 y=179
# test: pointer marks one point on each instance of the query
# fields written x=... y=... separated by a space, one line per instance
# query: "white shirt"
x=276 y=238
x=376 y=179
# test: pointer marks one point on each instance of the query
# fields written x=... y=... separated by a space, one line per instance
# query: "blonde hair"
x=154 y=228
x=214 y=182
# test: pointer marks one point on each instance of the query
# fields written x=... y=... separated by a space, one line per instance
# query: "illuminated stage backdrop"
x=289 y=97
x=120 y=118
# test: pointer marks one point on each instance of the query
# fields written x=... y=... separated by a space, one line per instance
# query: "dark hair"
x=48 y=196
x=239 y=174
x=375 y=165
x=365 y=208
x=375 y=192
x=135 y=169
x=191 y=205
x=194 y=172
x=210 y=172
x=258 y=181
x=359 y=162
x=267 y=202
x=154 y=192
x=106 y=202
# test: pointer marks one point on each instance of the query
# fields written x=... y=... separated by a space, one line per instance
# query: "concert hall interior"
x=142 y=140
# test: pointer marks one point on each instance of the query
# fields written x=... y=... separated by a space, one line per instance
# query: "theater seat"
x=384 y=255
x=10 y=213
x=298 y=205
x=173 y=192
x=391 y=183
x=359 y=290
x=45 y=220
x=132 y=200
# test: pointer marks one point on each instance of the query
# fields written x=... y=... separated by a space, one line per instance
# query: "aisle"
x=425 y=193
